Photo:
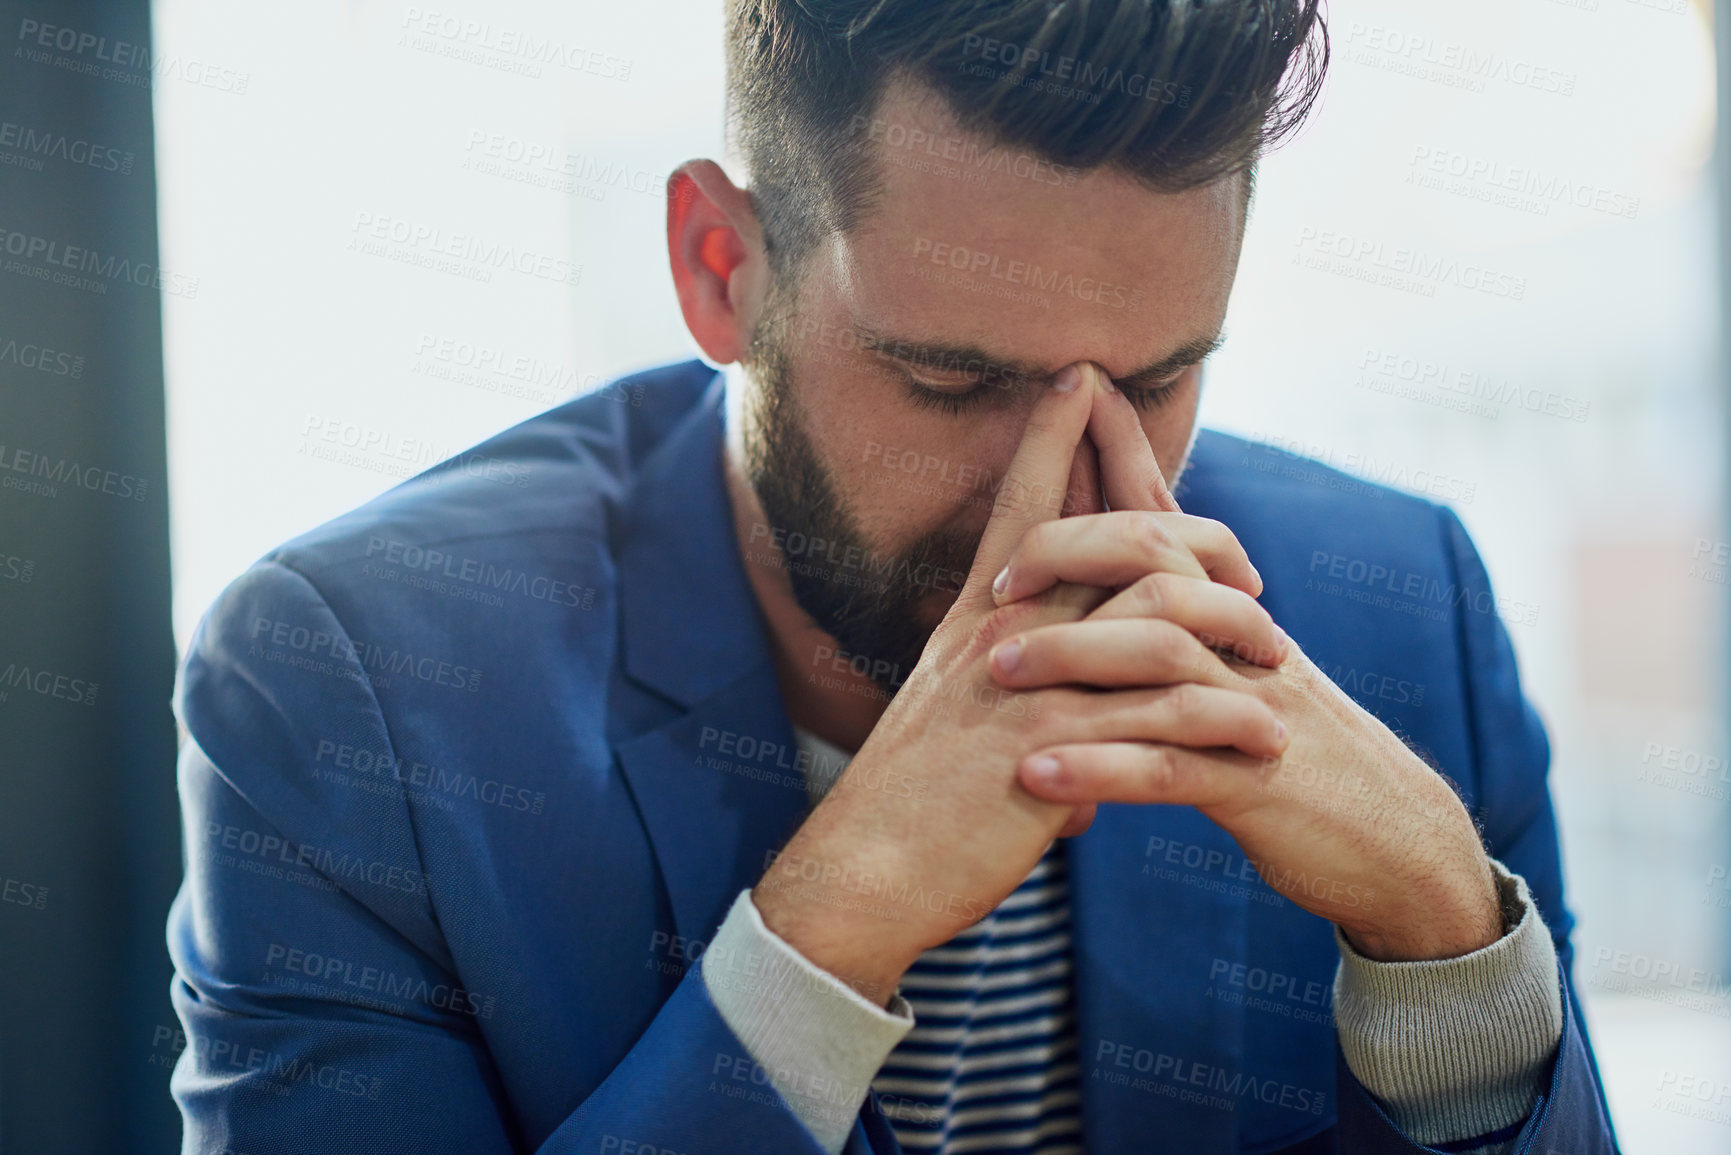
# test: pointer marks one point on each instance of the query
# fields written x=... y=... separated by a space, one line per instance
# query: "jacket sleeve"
x=321 y=1008
x=1511 y=802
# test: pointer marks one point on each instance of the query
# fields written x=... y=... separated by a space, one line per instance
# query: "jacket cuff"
x=1455 y=1049
x=818 y=1040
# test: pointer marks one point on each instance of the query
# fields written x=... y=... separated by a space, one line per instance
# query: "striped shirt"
x=990 y=1066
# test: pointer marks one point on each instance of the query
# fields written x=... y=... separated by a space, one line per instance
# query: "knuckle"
x=1052 y=718
x=1159 y=768
x=1036 y=539
x=1168 y=590
x=1075 y=600
x=1000 y=622
x=1148 y=595
x=1269 y=650
x=1218 y=529
x=1187 y=655
x=1266 y=718
x=1012 y=499
x=1153 y=645
x=1242 y=603
x=1219 y=535
x=1146 y=535
x=993 y=627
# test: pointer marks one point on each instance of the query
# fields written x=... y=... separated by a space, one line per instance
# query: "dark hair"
x=1175 y=93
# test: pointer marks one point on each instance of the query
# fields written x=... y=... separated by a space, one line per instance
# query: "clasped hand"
x=1151 y=676
x=1337 y=813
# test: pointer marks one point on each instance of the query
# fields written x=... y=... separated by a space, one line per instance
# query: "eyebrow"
x=990 y=366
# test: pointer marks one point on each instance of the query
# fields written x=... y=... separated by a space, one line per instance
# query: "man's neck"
x=837 y=705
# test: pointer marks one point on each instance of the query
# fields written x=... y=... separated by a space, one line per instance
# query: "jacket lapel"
x=713 y=817
x=718 y=783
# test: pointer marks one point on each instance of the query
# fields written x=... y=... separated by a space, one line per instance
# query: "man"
x=884 y=678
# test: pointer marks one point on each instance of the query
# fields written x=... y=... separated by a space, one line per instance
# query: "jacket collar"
x=691 y=622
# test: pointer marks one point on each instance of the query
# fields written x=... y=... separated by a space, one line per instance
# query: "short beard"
x=870 y=604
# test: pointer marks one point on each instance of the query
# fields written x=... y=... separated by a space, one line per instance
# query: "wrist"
x=864 y=951
x=1442 y=927
x=826 y=901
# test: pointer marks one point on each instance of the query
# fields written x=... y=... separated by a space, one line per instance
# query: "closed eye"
x=958 y=393
x=954 y=392
x=1152 y=396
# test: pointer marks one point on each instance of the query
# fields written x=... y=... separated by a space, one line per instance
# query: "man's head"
x=949 y=201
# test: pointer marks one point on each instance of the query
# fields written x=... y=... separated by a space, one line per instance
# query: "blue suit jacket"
x=477 y=768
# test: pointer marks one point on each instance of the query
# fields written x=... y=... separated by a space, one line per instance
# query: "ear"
x=720 y=269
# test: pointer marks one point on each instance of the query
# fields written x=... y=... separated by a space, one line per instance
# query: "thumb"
x=1033 y=487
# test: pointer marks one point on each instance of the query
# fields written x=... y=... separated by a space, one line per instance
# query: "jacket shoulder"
x=1303 y=520
x=1230 y=469
x=486 y=543
x=435 y=610
x=559 y=475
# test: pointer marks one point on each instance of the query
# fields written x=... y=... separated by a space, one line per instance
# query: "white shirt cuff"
x=819 y=1041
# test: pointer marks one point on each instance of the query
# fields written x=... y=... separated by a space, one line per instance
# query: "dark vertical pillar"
x=89 y=846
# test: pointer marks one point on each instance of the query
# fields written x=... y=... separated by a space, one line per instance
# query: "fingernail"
x=1043 y=768
x=1106 y=384
x=1009 y=656
x=1067 y=379
x=1285 y=642
x=1279 y=730
x=1001 y=582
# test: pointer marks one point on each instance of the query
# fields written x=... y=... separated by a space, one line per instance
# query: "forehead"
x=990 y=245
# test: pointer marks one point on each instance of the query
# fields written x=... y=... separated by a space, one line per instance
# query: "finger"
x=1220 y=616
x=1085 y=599
x=1033 y=487
x=1117 y=548
x=1130 y=475
x=1083 y=495
x=1189 y=714
x=1080 y=819
x=1127 y=467
x=1137 y=772
x=1108 y=654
